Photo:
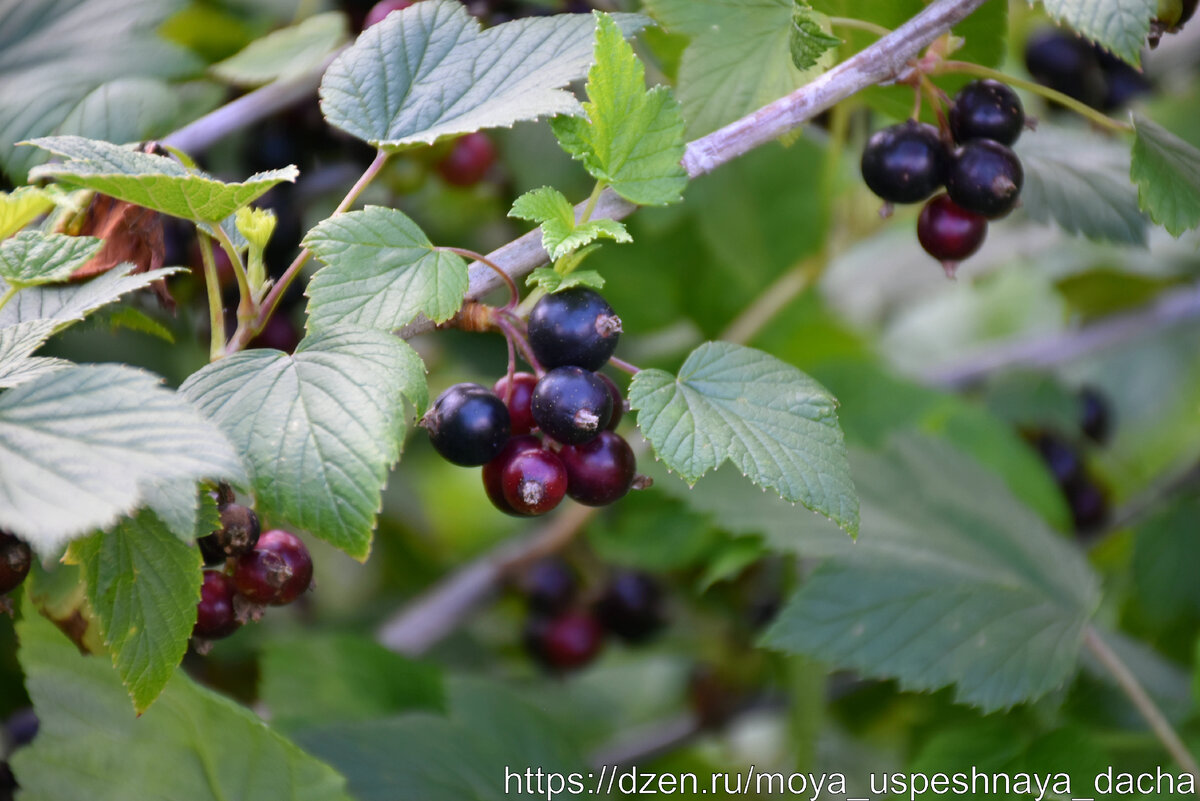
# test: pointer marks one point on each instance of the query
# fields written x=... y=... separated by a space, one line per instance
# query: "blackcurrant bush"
x=238 y=533
x=468 y=425
x=573 y=327
x=571 y=405
x=276 y=572
x=215 y=615
x=905 y=163
x=1088 y=503
x=382 y=9
x=987 y=109
x=601 y=471
x=949 y=232
x=549 y=585
x=1059 y=456
x=534 y=482
x=1095 y=419
x=15 y=561
x=985 y=177
x=494 y=470
x=1065 y=63
x=519 y=414
x=618 y=401
x=565 y=641
x=468 y=161
x=631 y=606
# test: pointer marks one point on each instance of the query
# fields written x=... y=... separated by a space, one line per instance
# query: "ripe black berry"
x=534 y=482
x=1095 y=419
x=566 y=641
x=493 y=471
x=1088 y=504
x=1065 y=63
x=987 y=109
x=601 y=471
x=468 y=161
x=15 y=560
x=276 y=572
x=468 y=425
x=519 y=413
x=549 y=585
x=905 y=163
x=573 y=327
x=985 y=177
x=571 y=405
x=618 y=401
x=949 y=232
x=238 y=533
x=215 y=615
x=631 y=607
x=1060 y=457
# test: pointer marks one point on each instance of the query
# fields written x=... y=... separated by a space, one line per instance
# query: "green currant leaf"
x=948 y=562
x=431 y=71
x=21 y=207
x=809 y=41
x=775 y=423
x=320 y=429
x=69 y=303
x=143 y=584
x=155 y=182
x=284 y=53
x=31 y=258
x=1120 y=26
x=381 y=272
x=550 y=280
x=1167 y=172
x=84 y=445
x=17 y=345
x=561 y=235
x=193 y=745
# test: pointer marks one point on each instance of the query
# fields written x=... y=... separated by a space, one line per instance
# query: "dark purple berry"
x=949 y=232
x=987 y=109
x=618 y=401
x=276 y=572
x=631 y=607
x=493 y=471
x=22 y=727
x=1059 y=456
x=382 y=9
x=601 y=471
x=985 y=177
x=573 y=327
x=468 y=425
x=238 y=533
x=15 y=561
x=571 y=405
x=566 y=641
x=905 y=163
x=1065 y=63
x=468 y=161
x=534 y=482
x=519 y=413
x=1088 y=504
x=215 y=615
x=1095 y=415
x=549 y=585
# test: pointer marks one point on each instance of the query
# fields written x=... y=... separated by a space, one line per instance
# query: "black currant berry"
x=618 y=401
x=601 y=471
x=905 y=163
x=573 y=327
x=15 y=560
x=238 y=533
x=215 y=615
x=631 y=607
x=949 y=232
x=276 y=572
x=493 y=471
x=1088 y=504
x=534 y=482
x=987 y=109
x=549 y=585
x=985 y=177
x=1067 y=64
x=571 y=405
x=519 y=413
x=1059 y=456
x=1095 y=419
x=565 y=641
x=468 y=161
x=468 y=425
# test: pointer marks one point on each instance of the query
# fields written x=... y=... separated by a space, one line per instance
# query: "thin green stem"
x=8 y=295
x=592 y=201
x=247 y=308
x=859 y=25
x=1079 y=108
x=514 y=294
x=216 y=311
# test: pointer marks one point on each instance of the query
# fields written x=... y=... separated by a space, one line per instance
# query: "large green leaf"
x=83 y=445
x=286 y=52
x=1119 y=25
x=432 y=71
x=70 y=303
x=143 y=583
x=319 y=429
x=777 y=425
x=1165 y=560
x=632 y=138
x=952 y=581
x=17 y=345
x=381 y=272
x=1167 y=172
x=193 y=745
x=739 y=57
x=31 y=258
x=561 y=233
x=155 y=182
x=21 y=207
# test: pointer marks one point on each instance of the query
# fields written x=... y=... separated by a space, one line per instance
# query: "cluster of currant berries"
x=565 y=633
x=539 y=439
x=1085 y=496
x=254 y=569
x=908 y=162
x=1082 y=70
x=15 y=561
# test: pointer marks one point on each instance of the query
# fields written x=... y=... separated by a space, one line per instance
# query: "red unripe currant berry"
x=949 y=232
x=618 y=409
x=382 y=9
x=276 y=572
x=566 y=641
x=494 y=470
x=534 y=482
x=601 y=471
x=519 y=414
x=468 y=161
x=215 y=615
x=239 y=533
x=15 y=560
